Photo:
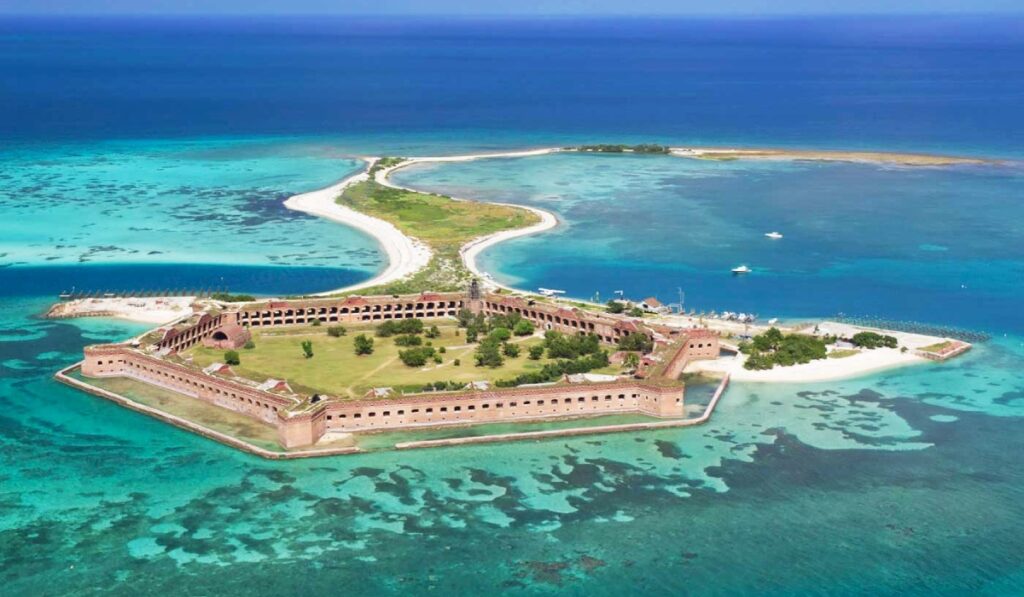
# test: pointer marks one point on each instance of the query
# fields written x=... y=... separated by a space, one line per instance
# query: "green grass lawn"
x=439 y=221
x=337 y=371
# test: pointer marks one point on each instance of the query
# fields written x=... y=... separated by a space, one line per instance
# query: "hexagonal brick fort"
x=654 y=390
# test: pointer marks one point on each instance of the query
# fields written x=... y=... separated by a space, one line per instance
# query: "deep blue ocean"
x=156 y=153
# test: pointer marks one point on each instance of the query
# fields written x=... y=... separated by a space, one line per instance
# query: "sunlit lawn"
x=336 y=370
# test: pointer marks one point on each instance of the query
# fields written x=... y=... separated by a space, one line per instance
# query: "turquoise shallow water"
x=903 y=482
x=174 y=202
x=938 y=245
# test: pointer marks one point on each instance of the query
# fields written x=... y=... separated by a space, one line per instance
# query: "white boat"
x=550 y=292
x=741 y=270
x=773 y=235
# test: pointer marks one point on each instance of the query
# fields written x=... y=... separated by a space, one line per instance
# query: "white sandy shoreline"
x=405 y=255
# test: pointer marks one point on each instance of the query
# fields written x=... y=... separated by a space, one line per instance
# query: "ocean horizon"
x=156 y=153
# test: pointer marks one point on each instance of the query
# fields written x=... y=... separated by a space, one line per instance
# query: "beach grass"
x=336 y=370
x=440 y=222
x=936 y=348
x=843 y=353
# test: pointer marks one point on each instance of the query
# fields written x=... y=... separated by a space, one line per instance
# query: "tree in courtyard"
x=536 y=352
x=636 y=342
x=636 y=312
x=523 y=328
x=510 y=350
x=307 y=348
x=416 y=357
x=488 y=354
x=336 y=331
x=500 y=334
x=631 y=361
x=316 y=322
x=615 y=306
x=433 y=332
x=249 y=345
x=231 y=358
x=363 y=344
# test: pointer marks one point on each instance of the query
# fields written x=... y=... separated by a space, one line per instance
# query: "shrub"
x=510 y=350
x=465 y=317
x=399 y=326
x=336 y=331
x=500 y=334
x=408 y=340
x=615 y=306
x=457 y=362
x=553 y=371
x=872 y=340
x=437 y=359
x=433 y=332
x=442 y=350
x=232 y=298
x=249 y=345
x=561 y=346
x=771 y=348
x=536 y=352
x=636 y=312
x=523 y=328
x=636 y=342
x=316 y=322
x=363 y=344
x=231 y=358
x=488 y=354
x=307 y=348
x=471 y=334
x=417 y=356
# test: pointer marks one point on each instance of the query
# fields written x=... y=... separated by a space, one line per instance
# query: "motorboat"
x=773 y=235
x=742 y=269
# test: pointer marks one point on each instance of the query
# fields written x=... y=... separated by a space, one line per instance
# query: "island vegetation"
x=225 y=297
x=621 y=148
x=438 y=221
x=872 y=340
x=772 y=347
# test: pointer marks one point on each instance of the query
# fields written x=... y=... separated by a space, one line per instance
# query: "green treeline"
x=608 y=148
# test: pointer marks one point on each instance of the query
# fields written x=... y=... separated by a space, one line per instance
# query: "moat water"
x=902 y=482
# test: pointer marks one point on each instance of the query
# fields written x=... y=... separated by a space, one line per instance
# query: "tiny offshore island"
x=432 y=343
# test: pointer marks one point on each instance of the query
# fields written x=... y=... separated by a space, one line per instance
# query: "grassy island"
x=442 y=223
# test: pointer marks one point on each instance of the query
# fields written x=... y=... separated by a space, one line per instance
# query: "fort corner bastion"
x=302 y=419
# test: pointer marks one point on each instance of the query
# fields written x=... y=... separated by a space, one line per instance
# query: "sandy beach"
x=405 y=255
x=864 y=363
x=472 y=249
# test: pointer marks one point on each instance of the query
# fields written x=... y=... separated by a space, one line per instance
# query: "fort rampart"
x=301 y=421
